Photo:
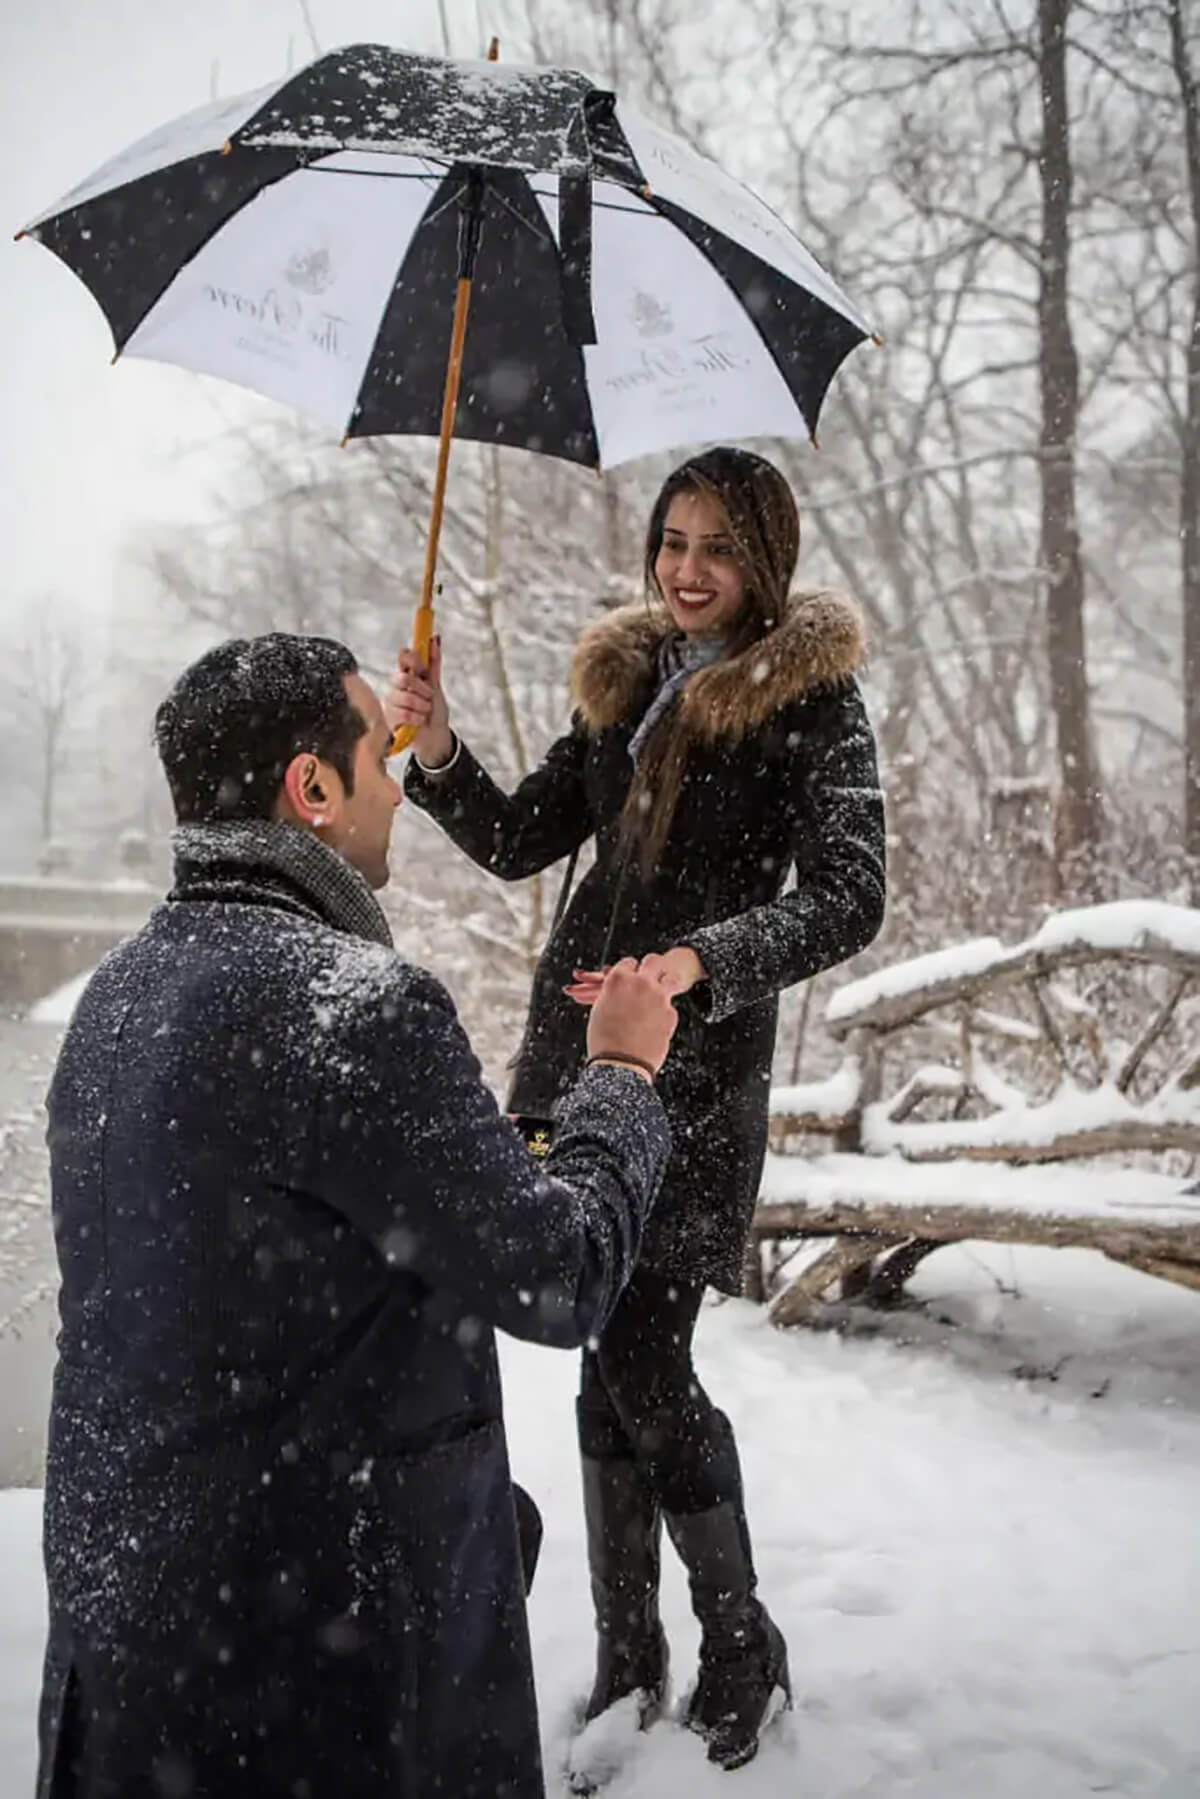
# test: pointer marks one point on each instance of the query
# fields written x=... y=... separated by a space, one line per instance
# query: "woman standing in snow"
x=718 y=740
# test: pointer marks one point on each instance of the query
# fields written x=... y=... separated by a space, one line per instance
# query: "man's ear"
x=311 y=792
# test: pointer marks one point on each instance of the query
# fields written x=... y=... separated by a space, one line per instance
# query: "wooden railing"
x=1052 y=1057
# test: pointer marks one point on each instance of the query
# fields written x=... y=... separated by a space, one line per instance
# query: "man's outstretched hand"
x=632 y=1011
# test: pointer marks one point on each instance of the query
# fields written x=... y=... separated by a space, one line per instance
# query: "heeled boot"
x=624 y=1534
x=743 y=1671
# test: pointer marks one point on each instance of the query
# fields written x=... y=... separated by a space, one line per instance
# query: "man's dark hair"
x=234 y=720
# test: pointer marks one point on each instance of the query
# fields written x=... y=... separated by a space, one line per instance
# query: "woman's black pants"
x=640 y=1398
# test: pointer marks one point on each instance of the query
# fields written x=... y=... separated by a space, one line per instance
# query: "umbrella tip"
x=877 y=340
x=227 y=147
x=812 y=438
x=493 y=54
x=647 y=191
x=18 y=237
x=345 y=441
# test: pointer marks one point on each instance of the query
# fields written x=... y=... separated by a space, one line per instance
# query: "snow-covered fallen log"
x=1092 y=1033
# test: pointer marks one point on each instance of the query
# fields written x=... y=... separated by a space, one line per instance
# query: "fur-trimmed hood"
x=819 y=643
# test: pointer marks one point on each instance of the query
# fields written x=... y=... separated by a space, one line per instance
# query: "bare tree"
x=1189 y=486
x=1058 y=370
x=46 y=684
x=1148 y=295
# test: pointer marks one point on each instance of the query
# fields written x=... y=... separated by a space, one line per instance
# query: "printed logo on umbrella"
x=311 y=271
x=650 y=317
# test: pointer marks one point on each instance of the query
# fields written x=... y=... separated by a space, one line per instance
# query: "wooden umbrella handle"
x=423 y=622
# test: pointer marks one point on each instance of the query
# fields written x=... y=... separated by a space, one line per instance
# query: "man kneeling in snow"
x=280 y=1534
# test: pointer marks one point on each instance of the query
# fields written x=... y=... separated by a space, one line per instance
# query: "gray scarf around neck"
x=258 y=846
x=679 y=658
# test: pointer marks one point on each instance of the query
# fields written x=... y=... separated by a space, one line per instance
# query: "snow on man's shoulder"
x=363 y=982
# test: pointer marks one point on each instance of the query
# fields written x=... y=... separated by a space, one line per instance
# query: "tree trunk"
x=493 y=561
x=1059 y=378
x=46 y=807
x=1189 y=489
x=53 y=716
x=614 y=536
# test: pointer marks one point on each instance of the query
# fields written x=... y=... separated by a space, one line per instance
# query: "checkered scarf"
x=217 y=861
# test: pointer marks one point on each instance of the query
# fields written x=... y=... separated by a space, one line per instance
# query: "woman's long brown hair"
x=760 y=515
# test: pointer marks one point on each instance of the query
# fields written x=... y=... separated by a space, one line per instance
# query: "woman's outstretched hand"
x=414 y=696
x=678 y=970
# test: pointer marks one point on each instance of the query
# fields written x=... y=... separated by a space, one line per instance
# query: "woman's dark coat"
x=280 y=1538
x=780 y=774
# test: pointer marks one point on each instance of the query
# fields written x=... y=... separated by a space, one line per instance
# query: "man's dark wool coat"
x=280 y=1536
x=780 y=776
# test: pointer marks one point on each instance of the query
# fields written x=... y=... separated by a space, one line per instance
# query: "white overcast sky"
x=87 y=450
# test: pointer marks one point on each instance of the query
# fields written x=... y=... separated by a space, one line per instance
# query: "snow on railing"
x=1133 y=930
x=1076 y=1123
x=1093 y=1087
x=821 y=1105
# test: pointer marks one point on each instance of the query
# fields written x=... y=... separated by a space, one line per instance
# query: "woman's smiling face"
x=697 y=568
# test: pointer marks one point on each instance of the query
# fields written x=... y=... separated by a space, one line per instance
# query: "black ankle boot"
x=624 y=1532
x=743 y=1658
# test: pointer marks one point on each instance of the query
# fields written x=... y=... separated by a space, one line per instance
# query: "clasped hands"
x=631 y=1006
x=677 y=970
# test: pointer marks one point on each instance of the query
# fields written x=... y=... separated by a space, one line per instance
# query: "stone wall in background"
x=28 y=1282
x=53 y=929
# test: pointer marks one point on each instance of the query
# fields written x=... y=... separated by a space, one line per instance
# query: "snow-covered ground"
x=977 y=1522
x=58 y=1008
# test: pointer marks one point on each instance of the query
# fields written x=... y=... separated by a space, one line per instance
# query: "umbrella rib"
x=434 y=174
x=438 y=175
x=428 y=218
x=636 y=212
x=544 y=237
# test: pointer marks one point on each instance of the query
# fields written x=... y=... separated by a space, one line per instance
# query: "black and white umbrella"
x=626 y=295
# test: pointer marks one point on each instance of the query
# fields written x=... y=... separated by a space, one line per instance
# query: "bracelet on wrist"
x=440 y=768
x=616 y=1055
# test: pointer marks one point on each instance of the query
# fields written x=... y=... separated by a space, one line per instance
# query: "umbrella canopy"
x=304 y=241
